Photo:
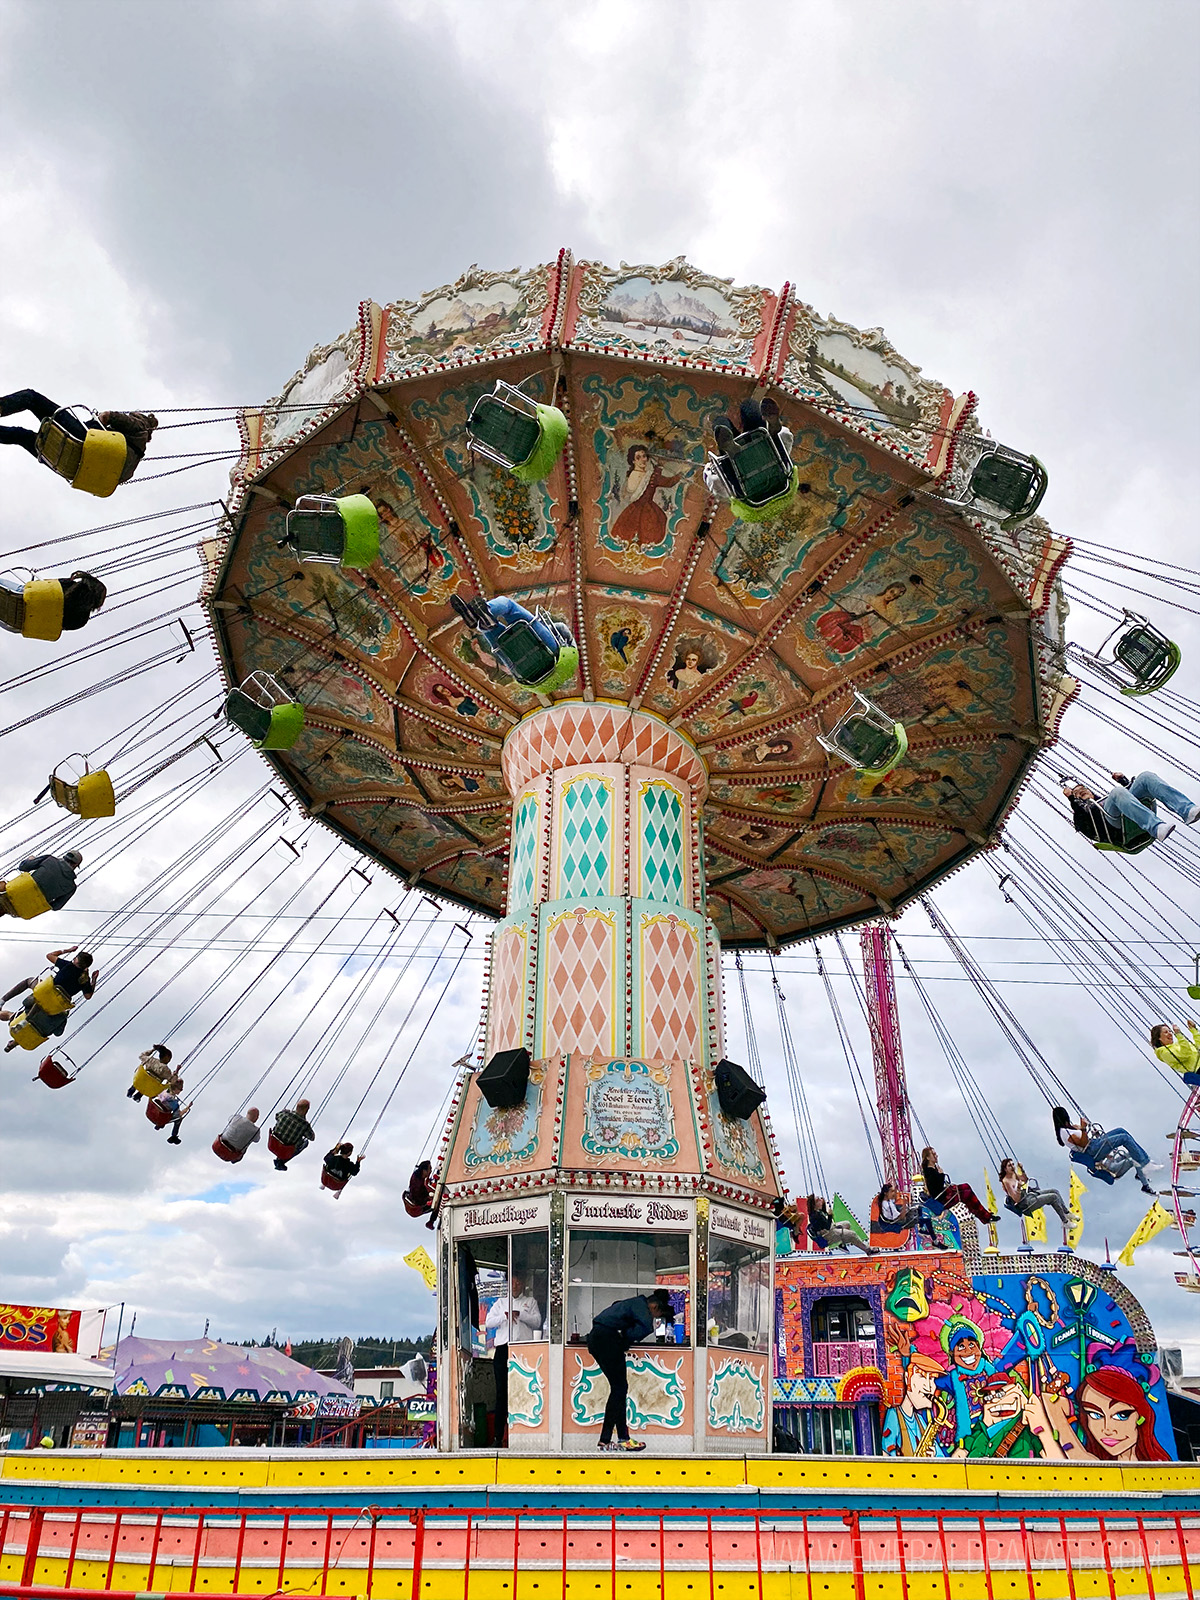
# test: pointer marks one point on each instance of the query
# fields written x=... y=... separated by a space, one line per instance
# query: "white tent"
x=19 y=1368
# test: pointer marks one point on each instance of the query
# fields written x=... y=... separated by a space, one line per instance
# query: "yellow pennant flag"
x=1035 y=1227
x=1152 y=1224
x=1075 y=1204
x=993 y=1235
x=419 y=1261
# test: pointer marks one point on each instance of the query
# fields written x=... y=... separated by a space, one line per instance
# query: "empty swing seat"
x=264 y=710
x=512 y=431
x=89 y=795
x=34 y=609
x=54 y=1075
x=24 y=897
x=225 y=1151
x=867 y=739
x=281 y=1151
x=1009 y=481
x=342 y=532
x=760 y=475
x=93 y=462
x=1147 y=655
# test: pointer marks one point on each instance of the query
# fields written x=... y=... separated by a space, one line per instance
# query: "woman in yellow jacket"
x=1176 y=1050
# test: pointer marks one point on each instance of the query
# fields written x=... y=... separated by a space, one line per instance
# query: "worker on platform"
x=1107 y=1156
x=54 y=876
x=616 y=1328
x=1174 y=1049
x=945 y=1194
x=513 y=1317
x=1131 y=800
x=135 y=427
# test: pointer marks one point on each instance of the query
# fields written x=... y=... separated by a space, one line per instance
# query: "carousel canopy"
x=882 y=575
x=205 y=1369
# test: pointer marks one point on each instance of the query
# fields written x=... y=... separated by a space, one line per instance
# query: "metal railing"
x=495 y=1554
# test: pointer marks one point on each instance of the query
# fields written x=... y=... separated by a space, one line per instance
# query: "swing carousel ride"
x=647 y=617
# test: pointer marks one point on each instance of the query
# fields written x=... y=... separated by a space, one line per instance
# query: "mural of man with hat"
x=1010 y=1421
x=911 y=1428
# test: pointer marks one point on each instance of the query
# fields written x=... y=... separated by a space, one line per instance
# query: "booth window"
x=504 y=1279
x=606 y=1267
x=740 y=1302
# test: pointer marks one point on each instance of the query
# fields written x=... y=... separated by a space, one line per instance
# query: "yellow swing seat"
x=94 y=463
x=24 y=896
x=90 y=795
x=34 y=609
x=23 y=1033
x=147 y=1084
x=50 y=997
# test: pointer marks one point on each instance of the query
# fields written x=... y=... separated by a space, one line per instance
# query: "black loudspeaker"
x=504 y=1080
x=737 y=1091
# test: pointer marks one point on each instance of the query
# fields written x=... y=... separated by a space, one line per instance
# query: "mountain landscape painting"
x=672 y=312
x=471 y=317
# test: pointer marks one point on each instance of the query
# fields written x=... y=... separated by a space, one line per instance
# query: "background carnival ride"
x=745 y=638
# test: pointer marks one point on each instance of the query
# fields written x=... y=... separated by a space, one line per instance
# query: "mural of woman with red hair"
x=1112 y=1410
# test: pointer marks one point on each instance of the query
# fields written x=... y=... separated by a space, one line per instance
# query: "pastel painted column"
x=605 y=947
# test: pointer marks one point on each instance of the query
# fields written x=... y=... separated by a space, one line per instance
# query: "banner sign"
x=753 y=1227
x=501 y=1216
x=605 y=1211
x=50 y=1328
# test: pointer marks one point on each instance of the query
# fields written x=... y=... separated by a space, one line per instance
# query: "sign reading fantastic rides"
x=38 y=1329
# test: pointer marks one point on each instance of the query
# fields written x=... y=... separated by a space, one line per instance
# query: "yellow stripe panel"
x=879 y=1475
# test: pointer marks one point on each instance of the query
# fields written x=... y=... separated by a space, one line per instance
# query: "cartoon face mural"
x=1054 y=1365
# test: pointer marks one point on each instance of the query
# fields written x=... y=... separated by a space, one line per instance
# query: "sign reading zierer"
x=501 y=1216
x=630 y=1211
x=752 y=1227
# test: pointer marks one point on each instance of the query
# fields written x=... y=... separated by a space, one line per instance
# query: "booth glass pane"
x=740 y=1302
x=603 y=1268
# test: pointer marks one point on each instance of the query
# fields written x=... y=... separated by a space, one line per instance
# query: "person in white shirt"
x=514 y=1317
x=240 y=1132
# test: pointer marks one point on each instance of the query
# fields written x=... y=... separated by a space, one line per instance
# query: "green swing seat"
x=531 y=660
x=867 y=739
x=1132 y=842
x=265 y=712
x=760 y=476
x=341 y=532
x=1148 y=655
x=1013 y=483
x=512 y=431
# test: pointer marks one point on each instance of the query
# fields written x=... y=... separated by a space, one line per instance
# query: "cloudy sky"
x=194 y=194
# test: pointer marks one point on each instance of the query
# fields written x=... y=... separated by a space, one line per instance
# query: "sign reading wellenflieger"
x=501 y=1216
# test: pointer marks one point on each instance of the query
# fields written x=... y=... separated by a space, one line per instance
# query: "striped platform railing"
x=452 y=1554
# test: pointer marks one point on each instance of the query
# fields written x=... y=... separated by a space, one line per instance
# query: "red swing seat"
x=157 y=1114
x=328 y=1181
x=281 y=1151
x=226 y=1152
x=54 y=1075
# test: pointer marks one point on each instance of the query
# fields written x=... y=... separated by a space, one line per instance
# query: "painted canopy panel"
x=748 y=637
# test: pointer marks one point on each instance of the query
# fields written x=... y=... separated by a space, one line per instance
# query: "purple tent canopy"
x=205 y=1369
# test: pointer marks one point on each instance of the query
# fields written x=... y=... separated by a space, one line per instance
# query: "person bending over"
x=615 y=1329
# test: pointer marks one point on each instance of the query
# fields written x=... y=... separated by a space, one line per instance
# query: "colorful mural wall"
x=1044 y=1357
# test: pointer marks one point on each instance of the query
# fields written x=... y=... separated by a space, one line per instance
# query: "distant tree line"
x=369 y=1350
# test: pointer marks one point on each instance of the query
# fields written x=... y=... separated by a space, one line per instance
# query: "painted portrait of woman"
x=1114 y=1414
x=693 y=658
x=642 y=520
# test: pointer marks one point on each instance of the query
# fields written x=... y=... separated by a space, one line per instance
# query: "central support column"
x=605 y=947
